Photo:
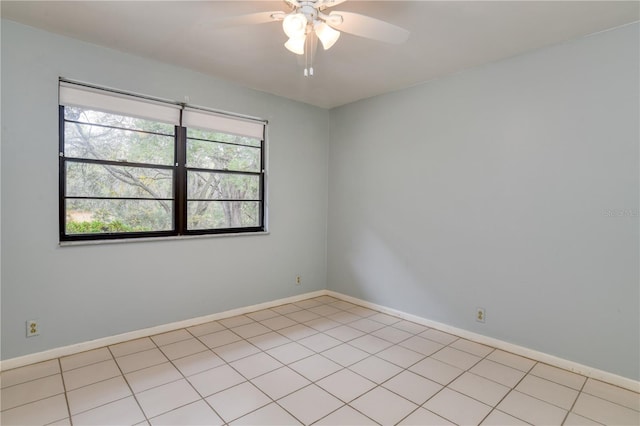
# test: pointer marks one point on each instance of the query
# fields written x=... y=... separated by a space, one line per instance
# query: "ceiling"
x=446 y=37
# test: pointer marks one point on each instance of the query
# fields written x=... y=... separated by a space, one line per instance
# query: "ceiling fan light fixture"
x=296 y=44
x=294 y=25
x=327 y=35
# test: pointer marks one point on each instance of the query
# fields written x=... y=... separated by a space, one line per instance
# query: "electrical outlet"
x=298 y=280
x=33 y=328
x=480 y=315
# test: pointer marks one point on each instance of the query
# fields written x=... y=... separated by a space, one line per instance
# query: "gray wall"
x=88 y=292
x=493 y=188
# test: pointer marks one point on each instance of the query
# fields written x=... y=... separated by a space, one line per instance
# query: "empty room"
x=320 y=212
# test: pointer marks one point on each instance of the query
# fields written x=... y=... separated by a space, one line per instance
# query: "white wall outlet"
x=298 y=280
x=33 y=328
x=480 y=315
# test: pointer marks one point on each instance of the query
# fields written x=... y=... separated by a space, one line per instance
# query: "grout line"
x=128 y=385
x=64 y=387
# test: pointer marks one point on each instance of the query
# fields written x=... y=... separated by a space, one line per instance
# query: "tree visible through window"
x=123 y=176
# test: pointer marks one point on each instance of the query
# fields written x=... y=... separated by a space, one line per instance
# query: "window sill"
x=158 y=239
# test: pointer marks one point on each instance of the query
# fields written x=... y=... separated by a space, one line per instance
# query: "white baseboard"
x=605 y=376
x=146 y=332
x=555 y=361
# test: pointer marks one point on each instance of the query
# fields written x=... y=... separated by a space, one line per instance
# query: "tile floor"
x=320 y=361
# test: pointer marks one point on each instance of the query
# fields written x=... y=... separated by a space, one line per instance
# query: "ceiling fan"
x=307 y=22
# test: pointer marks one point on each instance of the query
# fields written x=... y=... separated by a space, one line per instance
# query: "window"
x=133 y=167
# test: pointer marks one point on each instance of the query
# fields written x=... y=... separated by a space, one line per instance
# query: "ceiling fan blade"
x=329 y=3
x=249 y=19
x=365 y=26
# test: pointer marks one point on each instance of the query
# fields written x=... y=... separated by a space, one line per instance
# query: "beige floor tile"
x=206 y=328
x=256 y=365
x=308 y=303
x=341 y=304
x=606 y=412
x=498 y=418
x=439 y=336
x=286 y=309
x=324 y=310
x=310 y=404
x=85 y=358
x=90 y=374
x=280 y=382
x=548 y=391
x=262 y=315
x=612 y=393
x=366 y=325
x=63 y=422
x=319 y=342
x=410 y=327
x=421 y=345
x=29 y=372
x=484 y=390
x=415 y=388
x=383 y=406
x=237 y=401
x=558 y=375
x=196 y=413
x=370 y=343
x=511 y=360
x=472 y=347
x=575 y=420
x=456 y=357
x=219 y=338
x=167 y=397
x=235 y=351
x=31 y=391
x=250 y=330
x=436 y=370
x=344 y=317
x=302 y=316
x=346 y=385
x=151 y=377
x=269 y=340
x=122 y=412
x=375 y=369
x=97 y=394
x=132 y=346
x=531 y=410
x=315 y=367
x=344 y=333
x=291 y=352
x=345 y=416
x=171 y=337
x=198 y=363
x=278 y=323
x=423 y=417
x=384 y=318
x=41 y=412
x=270 y=415
x=345 y=354
x=236 y=321
x=322 y=324
x=392 y=334
x=297 y=332
x=457 y=408
x=400 y=356
x=183 y=348
x=497 y=372
x=140 y=360
x=362 y=311
x=215 y=380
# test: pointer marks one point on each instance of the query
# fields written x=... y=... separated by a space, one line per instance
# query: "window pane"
x=222 y=186
x=106 y=216
x=102 y=180
x=106 y=143
x=212 y=155
x=89 y=116
x=222 y=214
x=222 y=137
